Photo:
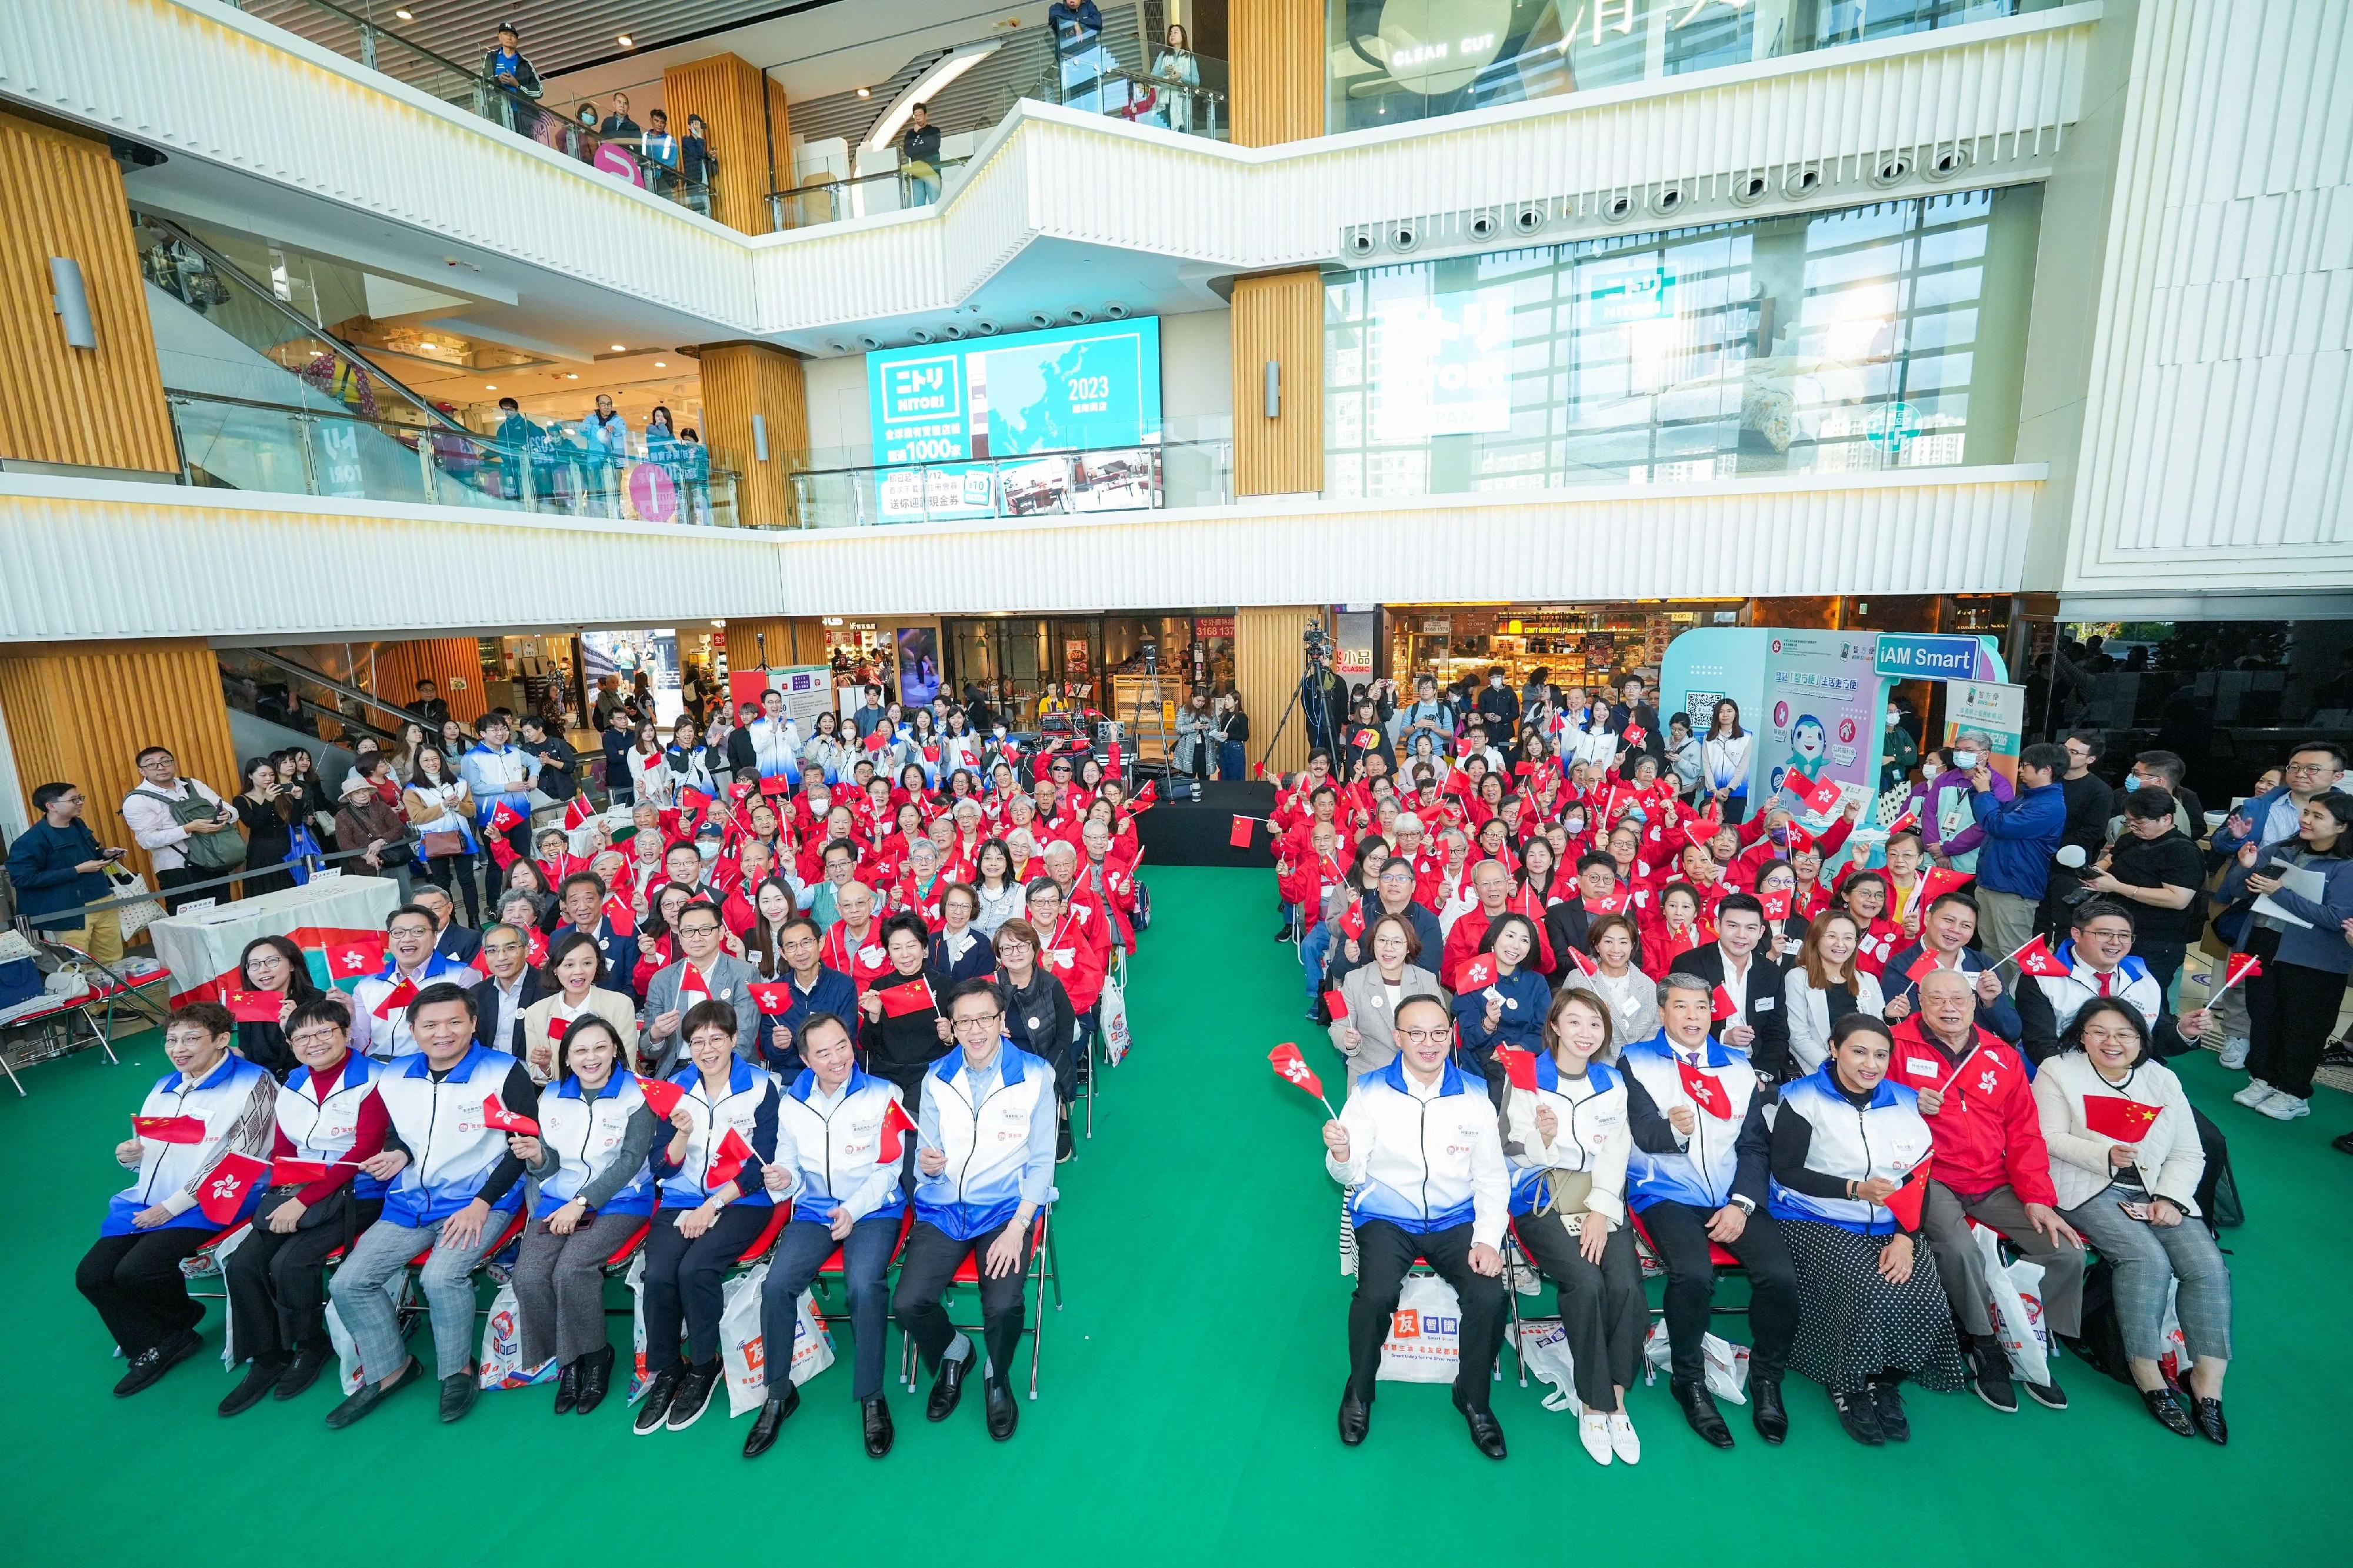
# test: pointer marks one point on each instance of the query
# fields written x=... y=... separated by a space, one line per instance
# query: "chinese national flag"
x=2242 y=966
x=223 y=1190
x=1584 y=964
x=399 y=996
x=2036 y=958
x=773 y=997
x=1720 y=1005
x=1777 y=905
x=495 y=1114
x=253 y=1007
x=2114 y=1116
x=169 y=1129
x=1352 y=922
x=1822 y=796
x=1938 y=880
x=661 y=1095
x=1480 y=971
x=776 y=784
x=691 y=800
x=1336 y=1004
x=1292 y=1068
x=298 y=1172
x=896 y=1125
x=876 y=741
x=556 y=1029
x=1258 y=770
x=504 y=819
x=910 y=997
x=351 y=959
x=931 y=753
x=728 y=1162
x=1903 y=823
x=1705 y=1089
x=577 y=814
x=617 y=910
x=1922 y=965
x=1701 y=831
x=1905 y=1202
x=1244 y=826
x=1519 y=1066
x=1524 y=770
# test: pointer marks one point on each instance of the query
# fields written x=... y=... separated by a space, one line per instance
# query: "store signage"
x=1441 y=365
x=1213 y=625
x=1070 y=389
x=1913 y=655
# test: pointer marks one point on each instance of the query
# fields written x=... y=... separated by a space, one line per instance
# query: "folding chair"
x=1515 y=1261
x=834 y=1267
x=1647 y=1253
x=1043 y=1270
x=617 y=1263
x=511 y=1229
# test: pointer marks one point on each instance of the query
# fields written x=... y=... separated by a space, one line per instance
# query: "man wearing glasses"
x=55 y=867
x=2271 y=818
x=985 y=1151
x=704 y=972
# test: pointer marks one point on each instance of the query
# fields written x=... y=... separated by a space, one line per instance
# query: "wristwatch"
x=1747 y=1204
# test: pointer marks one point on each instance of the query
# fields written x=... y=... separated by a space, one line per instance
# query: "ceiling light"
x=661 y=364
x=404 y=13
x=620 y=350
x=627 y=42
x=930 y=84
x=864 y=92
x=489 y=386
x=571 y=376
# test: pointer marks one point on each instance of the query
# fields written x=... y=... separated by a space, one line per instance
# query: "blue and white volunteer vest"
x=586 y=1137
x=216 y=1101
x=1885 y=1138
x=451 y=1145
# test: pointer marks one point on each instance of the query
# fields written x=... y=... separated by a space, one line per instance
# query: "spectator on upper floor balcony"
x=517 y=83
x=694 y=159
x=619 y=126
x=918 y=157
x=1077 y=24
x=661 y=155
x=607 y=433
x=580 y=138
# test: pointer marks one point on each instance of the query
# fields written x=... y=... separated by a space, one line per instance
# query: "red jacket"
x=1071 y=955
x=866 y=964
x=1470 y=931
x=1988 y=1133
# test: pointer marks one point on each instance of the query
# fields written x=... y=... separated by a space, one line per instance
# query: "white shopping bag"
x=1543 y=1351
x=1114 y=1003
x=743 y=1348
x=502 y=1361
x=2016 y=1292
x=212 y=1263
x=635 y=1280
x=347 y=1351
x=1727 y=1364
x=1425 y=1340
x=2173 y=1356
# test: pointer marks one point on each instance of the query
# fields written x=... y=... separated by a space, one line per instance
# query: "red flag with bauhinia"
x=1822 y=795
x=355 y=959
x=1480 y=971
x=1145 y=798
x=1701 y=831
x=1292 y=1068
x=253 y=1007
x=495 y=1114
x=1800 y=840
x=728 y=1161
x=773 y=997
x=1519 y=1066
x=169 y=1129
x=2114 y=1116
x=896 y=1125
x=1613 y=902
x=225 y=1189
x=909 y=997
x=1336 y=1004
x=2242 y=966
x=1938 y=880
x=1705 y=1089
x=661 y=1095
x=300 y=1172
x=1905 y=1202
x=537 y=950
x=504 y=819
x=578 y=814
x=399 y=996
x=2036 y=958
x=1244 y=826
x=1720 y=1005
x=1777 y=905
x=1352 y=922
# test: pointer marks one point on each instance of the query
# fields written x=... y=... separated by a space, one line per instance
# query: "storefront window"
x=1393 y=60
x=1879 y=337
x=1576 y=645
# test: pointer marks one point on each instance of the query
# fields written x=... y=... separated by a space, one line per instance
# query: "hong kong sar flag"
x=355 y=957
x=223 y=1192
x=1706 y=1090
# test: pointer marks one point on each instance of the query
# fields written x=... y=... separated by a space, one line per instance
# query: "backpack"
x=1143 y=915
x=211 y=851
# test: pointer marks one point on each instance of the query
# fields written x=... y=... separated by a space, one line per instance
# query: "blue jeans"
x=1233 y=763
x=922 y=192
x=865 y=1259
x=1312 y=951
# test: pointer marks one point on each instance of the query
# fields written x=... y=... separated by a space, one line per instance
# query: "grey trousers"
x=363 y=1297
x=559 y=1281
x=2149 y=1257
x=2005 y=923
x=1944 y=1220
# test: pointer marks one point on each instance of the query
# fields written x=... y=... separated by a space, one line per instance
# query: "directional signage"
x=1920 y=655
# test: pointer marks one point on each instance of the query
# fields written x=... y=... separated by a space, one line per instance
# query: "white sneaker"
x=1622 y=1441
x=2283 y=1107
x=1593 y=1431
x=2234 y=1054
x=2254 y=1094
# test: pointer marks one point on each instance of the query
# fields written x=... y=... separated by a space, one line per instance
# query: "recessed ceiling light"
x=661 y=364
x=627 y=42
x=620 y=350
x=864 y=93
x=404 y=13
x=571 y=376
x=489 y=386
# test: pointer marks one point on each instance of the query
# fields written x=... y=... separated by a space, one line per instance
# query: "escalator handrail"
x=403 y=715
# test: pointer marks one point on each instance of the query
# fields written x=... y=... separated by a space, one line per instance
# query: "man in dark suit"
x=583 y=897
x=1736 y=962
x=1569 y=921
x=514 y=985
x=1392 y=895
x=1632 y=711
x=1948 y=935
x=453 y=942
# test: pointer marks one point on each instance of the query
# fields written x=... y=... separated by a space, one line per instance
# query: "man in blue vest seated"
x=453 y=1183
x=985 y=1150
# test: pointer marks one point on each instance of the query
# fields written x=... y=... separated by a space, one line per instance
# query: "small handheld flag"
x=398 y=997
x=728 y=1162
x=1292 y=1068
x=1777 y=905
x=2242 y=966
x=576 y=815
x=1720 y=1005
x=223 y=1190
x=1905 y=1202
x=773 y=997
x=1519 y=1066
x=909 y=997
x=661 y=1095
x=497 y=1115
x=2114 y=1116
x=1244 y=826
x=1336 y=1004
x=1584 y=965
x=1352 y=922
x=2037 y=959
x=504 y=819
x=299 y=1172
x=1822 y=796
x=358 y=957
x=169 y=1129
x=253 y=1007
x=896 y=1125
x=1938 y=880
x=1480 y=971
x=1705 y=1089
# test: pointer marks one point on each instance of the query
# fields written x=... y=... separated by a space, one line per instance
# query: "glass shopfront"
x=1114 y=665
x=1574 y=644
x=1879 y=337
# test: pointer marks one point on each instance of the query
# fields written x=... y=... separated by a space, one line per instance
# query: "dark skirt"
x=1853 y=1326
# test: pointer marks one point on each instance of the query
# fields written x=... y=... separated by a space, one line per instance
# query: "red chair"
x=779 y=1215
x=510 y=1227
x=1648 y=1252
x=1042 y=1271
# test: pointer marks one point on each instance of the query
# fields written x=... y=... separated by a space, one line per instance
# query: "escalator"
x=276 y=703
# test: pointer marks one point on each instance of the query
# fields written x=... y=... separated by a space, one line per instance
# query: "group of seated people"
x=653 y=1063
x=1574 y=1005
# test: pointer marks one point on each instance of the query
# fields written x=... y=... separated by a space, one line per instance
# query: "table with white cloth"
x=202 y=947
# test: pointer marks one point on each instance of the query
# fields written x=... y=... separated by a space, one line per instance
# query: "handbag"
x=133 y=917
x=441 y=846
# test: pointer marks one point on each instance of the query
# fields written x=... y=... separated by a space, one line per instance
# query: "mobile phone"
x=2133 y=1211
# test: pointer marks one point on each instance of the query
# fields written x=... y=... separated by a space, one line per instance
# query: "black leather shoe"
x=1282 y=933
x=2169 y=1412
x=151 y=1364
x=2207 y=1414
x=1356 y=1419
x=1859 y=1413
x=2342 y=1142
x=567 y=1388
x=880 y=1433
x=308 y=1364
x=371 y=1394
x=1486 y=1432
x=459 y=1391
x=259 y=1379
x=1766 y=1411
x=1893 y=1424
x=654 y=1408
x=770 y=1421
x=1699 y=1409
x=694 y=1395
x=946 y=1389
x=596 y=1379
x=1004 y=1412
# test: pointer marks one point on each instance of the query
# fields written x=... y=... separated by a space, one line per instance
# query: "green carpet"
x=1186 y=1408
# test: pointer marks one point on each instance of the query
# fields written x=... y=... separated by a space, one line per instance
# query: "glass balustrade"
x=832 y=490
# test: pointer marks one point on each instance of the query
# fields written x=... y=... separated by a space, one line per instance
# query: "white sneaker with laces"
x=1593 y=1431
x=2254 y=1094
x=1622 y=1441
x=2235 y=1053
x=2283 y=1107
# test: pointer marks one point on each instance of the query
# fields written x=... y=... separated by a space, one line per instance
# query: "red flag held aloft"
x=2036 y=958
x=169 y=1129
x=223 y=1190
x=496 y=1115
x=1720 y=1005
x=1244 y=826
x=1938 y=880
x=2242 y=966
x=776 y=784
x=773 y=997
x=253 y=1007
x=691 y=800
x=1777 y=905
x=1903 y=823
x=729 y=1159
x=578 y=814
x=1292 y=1068
x=1519 y=1066
x=398 y=997
x=1352 y=922
x=504 y=819
x=358 y=957
x=2114 y=1116
x=1701 y=831
x=909 y=997
x=1478 y=972
x=1822 y=796
x=1584 y=965
x=1905 y=1202
x=298 y=1172
x=896 y=1125
x=1921 y=966
x=661 y=1095
x=1705 y=1089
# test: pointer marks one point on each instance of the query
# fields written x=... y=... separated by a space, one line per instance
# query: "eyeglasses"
x=2311 y=767
x=696 y=930
x=1426 y=1037
x=314 y=1036
x=978 y=1021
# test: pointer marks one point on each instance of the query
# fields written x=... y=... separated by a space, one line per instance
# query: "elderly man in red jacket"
x=1493 y=883
x=1991 y=1166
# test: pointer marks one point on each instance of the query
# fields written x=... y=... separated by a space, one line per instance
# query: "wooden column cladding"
x=740 y=380
x=749 y=145
x=81 y=715
x=1279 y=317
x=101 y=407
x=1277 y=50
x=1269 y=659
x=453 y=664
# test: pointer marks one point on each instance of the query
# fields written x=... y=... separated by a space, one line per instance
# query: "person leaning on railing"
x=517 y=83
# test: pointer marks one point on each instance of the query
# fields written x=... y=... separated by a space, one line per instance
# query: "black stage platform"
x=1196 y=831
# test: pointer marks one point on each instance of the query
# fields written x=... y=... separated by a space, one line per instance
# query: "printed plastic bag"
x=1727 y=1364
x=347 y=1350
x=502 y=1359
x=635 y=1280
x=744 y=1350
x=2016 y=1289
x=1116 y=1036
x=212 y=1263
x=1425 y=1339
x=2173 y=1358
x=1543 y=1351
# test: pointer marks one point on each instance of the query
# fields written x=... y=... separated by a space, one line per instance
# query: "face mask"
x=1576 y=826
x=2132 y=780
x=1891 y=718
x=1965 y=761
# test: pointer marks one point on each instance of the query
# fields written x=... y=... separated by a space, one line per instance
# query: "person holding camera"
x=1322 y=695
x=55 y=867
x=179 y=822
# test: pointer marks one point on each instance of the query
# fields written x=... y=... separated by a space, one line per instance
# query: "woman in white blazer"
x=1372 y=992
x=2125 y=1163
x=1824 y=985
x=1724 y=774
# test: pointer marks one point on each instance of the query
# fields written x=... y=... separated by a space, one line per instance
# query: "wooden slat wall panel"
x=101 y=407
x=744 y=644
x=1278 y=70
x=1267 y=668
x=1279 y=317
x=445 y=661
x=82 y=716
x=740 y=380
x=726 y=90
